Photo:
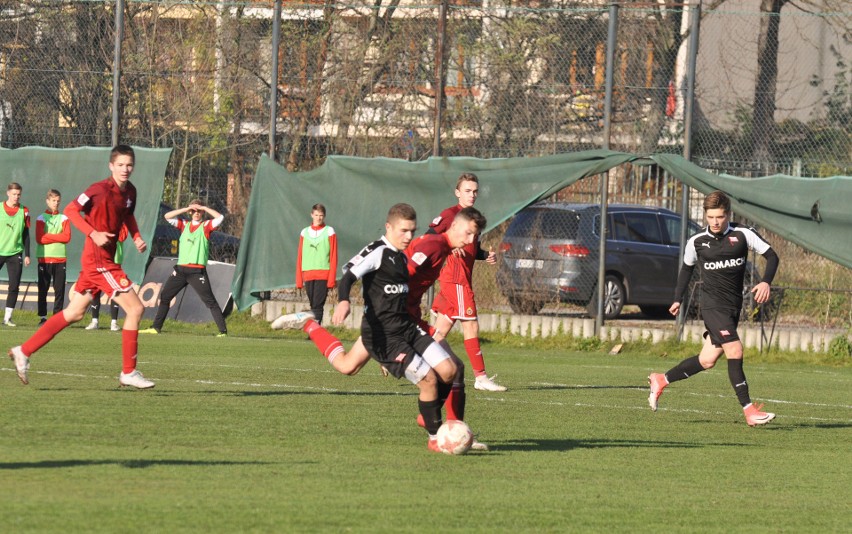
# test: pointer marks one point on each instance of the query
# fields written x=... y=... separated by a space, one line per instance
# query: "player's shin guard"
x=685 y=369
x=129 y=348
x=43 y=335
x=327 y=344
x=738 y=380
x=431 y=412
x=474 y=354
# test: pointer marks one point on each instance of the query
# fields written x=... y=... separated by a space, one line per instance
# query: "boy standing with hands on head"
x=107 y=204
x=53 y=232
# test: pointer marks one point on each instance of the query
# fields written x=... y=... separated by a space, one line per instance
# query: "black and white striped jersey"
x=383 y=271
x=722 y=260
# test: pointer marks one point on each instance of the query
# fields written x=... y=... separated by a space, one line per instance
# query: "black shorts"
x=721 y=324
x=395 y=350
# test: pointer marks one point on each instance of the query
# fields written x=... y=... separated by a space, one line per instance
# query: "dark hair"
x=467 y=177
x=717 y=200
x=401 y=211
x=318 y=207
x=14 y=185
x=121 y=150
x=473 y=214
x=53 y=193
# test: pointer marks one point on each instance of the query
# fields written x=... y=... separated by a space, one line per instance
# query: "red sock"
x=45 y=333
x=474 y=354
x=454 y=405
x=129 y=346
x=327 y=344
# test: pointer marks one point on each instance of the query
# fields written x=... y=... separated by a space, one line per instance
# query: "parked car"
x=223 y=247
x=550 y=252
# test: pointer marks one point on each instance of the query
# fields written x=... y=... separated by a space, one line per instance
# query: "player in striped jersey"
x=720 y=251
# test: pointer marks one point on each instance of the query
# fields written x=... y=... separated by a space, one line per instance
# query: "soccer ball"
x=454 y=437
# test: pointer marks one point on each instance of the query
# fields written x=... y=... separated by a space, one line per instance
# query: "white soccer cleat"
x=134 y=379
x=22 y=363
x=755 y=415
x=292 y=321
x=477 y=445
x=9 y=323
x=114 y=326
x=93 y=325
x=484 y=383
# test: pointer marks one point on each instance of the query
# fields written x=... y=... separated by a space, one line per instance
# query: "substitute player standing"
x=108 y=205
x=720 y=251
x=53 y=232
x=191 y=268
x=455 y=300
x=14 y=244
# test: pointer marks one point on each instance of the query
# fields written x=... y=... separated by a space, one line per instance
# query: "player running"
x=455 y=299
x=720 y=251
x=108 y=205
x=389 y=334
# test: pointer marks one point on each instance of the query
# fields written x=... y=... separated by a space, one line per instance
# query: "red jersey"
x=459 y=269
x=426 y=256
x=107 y=208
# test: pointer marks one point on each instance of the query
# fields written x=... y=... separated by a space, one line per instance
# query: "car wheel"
x=614 y=298
x=657 y=312
x=525 y=306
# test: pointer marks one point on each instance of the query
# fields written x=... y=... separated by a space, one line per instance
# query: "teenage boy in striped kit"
x=53 y=232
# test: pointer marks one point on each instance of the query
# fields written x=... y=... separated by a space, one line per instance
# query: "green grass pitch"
x=259 y=434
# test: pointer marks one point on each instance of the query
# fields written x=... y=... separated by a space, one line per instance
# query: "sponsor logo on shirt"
x=733 y=239
x=418 y=258
x=724 y=332
x=436 y=220
x=396 y=289
x=401 y=357
x=724 y=264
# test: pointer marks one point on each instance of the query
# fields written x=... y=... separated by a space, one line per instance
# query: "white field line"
x=642 y=407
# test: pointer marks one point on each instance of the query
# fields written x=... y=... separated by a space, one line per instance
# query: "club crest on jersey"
x=469 y=311
x=129 y=202
x=123 y=282
x=724 y=332
x=733 y=239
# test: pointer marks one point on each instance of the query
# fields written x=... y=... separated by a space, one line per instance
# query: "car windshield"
x=544 y=224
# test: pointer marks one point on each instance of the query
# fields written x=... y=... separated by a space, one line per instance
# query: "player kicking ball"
x=720 y=251
x=389 y=334
x=108 y=205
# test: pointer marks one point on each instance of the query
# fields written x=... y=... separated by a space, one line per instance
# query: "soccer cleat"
x=93 y=325
x=22 y=363
x=9 y=323
x=42 y=321
x=114 y=326
x=149 y=331
x=292 y=321
x=477 y=445
x=222 y=334
x=487 y=384
x=433 y=445
x=754 y=416
x=658 y=383
x=134 y=379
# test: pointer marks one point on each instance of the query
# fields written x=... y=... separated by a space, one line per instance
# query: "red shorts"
x=110 y=280
x=456 y=302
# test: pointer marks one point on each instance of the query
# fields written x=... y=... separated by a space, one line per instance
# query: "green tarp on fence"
x=71 y=171
x=358 y=192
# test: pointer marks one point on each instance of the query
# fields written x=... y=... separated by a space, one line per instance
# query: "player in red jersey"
x=108 y=205
x=455 y=300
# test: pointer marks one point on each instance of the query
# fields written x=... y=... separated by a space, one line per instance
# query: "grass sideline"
x=258 y=433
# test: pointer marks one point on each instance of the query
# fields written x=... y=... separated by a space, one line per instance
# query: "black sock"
x=462 y=400
x=685 y=369
x=738 y=380
x=431 y=412
x=443 y=391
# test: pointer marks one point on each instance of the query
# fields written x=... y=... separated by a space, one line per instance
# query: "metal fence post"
x=439 y=76
x=273 y=82
x=607 y=128
x=116 y=68
x=688 y=106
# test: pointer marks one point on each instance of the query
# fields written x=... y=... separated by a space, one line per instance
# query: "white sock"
x=8 y=315
x=95 y=321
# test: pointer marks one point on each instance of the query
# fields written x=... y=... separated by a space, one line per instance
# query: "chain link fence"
x=772 y=94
